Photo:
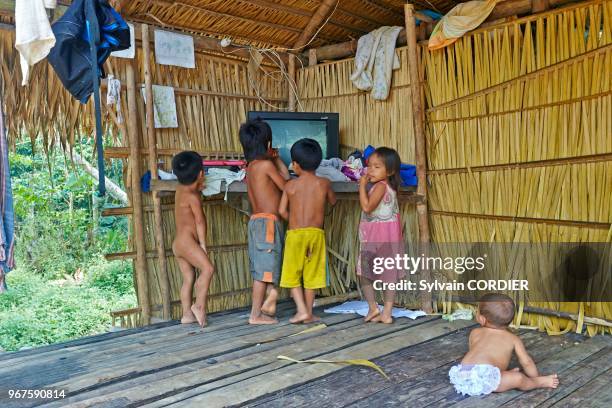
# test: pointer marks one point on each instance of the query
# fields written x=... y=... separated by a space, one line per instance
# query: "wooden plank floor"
x=232 y=363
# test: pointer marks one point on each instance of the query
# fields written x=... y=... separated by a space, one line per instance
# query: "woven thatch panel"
x=534 y=93
x=43 y=108
x=212 y=100
x=363 y=121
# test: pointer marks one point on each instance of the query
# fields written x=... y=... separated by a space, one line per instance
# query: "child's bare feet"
x=372 y=313
x=312 y=319
x=200 y=314
x=269 y=307
x=300 y=318
x=188 y=318
x=381 y=318
x=262 y=319
x=549 y=381
x=516 y=369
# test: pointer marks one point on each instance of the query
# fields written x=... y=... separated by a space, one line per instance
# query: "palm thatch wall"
x=520 y=137
x=363 y=121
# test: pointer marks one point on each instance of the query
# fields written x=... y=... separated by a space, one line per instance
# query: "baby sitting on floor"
x=484 y=369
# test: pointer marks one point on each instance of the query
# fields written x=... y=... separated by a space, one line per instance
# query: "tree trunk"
x=113 y=189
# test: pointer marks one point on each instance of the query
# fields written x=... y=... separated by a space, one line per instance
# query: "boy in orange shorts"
x=303 y=204
x=266 y=176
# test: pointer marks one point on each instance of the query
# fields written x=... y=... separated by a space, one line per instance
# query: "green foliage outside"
x=62 y=288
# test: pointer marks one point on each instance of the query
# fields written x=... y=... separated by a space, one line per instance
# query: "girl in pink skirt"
x=380 y=231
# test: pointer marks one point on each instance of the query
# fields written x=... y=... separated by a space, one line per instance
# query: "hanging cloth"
x=375 y=61
x=71 y=58
x=33 y=35
x=7 y=214
x=86 y=35
x=462 y=18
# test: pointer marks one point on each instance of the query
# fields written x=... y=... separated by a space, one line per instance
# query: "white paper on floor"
x=361 y=308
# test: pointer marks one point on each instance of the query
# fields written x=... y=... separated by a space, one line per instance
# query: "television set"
x=289 y=127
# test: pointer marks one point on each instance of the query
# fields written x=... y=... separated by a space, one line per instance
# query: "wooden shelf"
x=343 y=190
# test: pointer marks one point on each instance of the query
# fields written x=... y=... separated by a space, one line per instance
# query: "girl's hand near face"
x=363 y=181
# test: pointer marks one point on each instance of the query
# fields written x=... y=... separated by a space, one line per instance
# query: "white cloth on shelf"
x=33 y=35
x=361 y=308
x=375 y=61
x=330 y=169
x=164 y=175
x=216 y=176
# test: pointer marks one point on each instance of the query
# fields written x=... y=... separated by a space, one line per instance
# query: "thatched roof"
x=274 y=22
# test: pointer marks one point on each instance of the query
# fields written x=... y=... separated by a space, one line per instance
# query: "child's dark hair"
x=187 y=166
x=307 y=153
x=497 y=308
x=392 y=164
x=255 y=138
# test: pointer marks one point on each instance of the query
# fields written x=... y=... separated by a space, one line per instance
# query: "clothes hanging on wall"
x=375 y=61
x=70 y=57
x=33 y=35
x=462 y=18
x=7 y=214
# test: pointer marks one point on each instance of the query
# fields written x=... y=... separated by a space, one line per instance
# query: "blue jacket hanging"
x=70 y=57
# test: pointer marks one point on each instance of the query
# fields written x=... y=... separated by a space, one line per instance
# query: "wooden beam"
x=323 y=11
x=347 y=49
x=136 y=196
x=218 y=14
x=119 y=152
x=209 y=44
x=503 y=9
x=538 y=6
x=418 y=119
x=300 y=12
x=152 y=142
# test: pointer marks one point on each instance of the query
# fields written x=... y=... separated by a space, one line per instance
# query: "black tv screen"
x=289 y=127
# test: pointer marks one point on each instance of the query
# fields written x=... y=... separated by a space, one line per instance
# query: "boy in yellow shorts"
x=303 y=205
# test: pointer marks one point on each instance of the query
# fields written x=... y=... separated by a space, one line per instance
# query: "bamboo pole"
x=322 y=12
x=136 y=196
x=419 y=137
x=159 y=235
x=292 y=78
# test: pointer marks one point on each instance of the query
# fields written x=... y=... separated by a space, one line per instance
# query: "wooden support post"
x=138 y=218
x=157 y=208
x=292 y=79
x=419 y=137
x=312 y=57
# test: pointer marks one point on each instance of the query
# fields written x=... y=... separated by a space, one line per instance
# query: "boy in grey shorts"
x=266 y=237
x=266 y=177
